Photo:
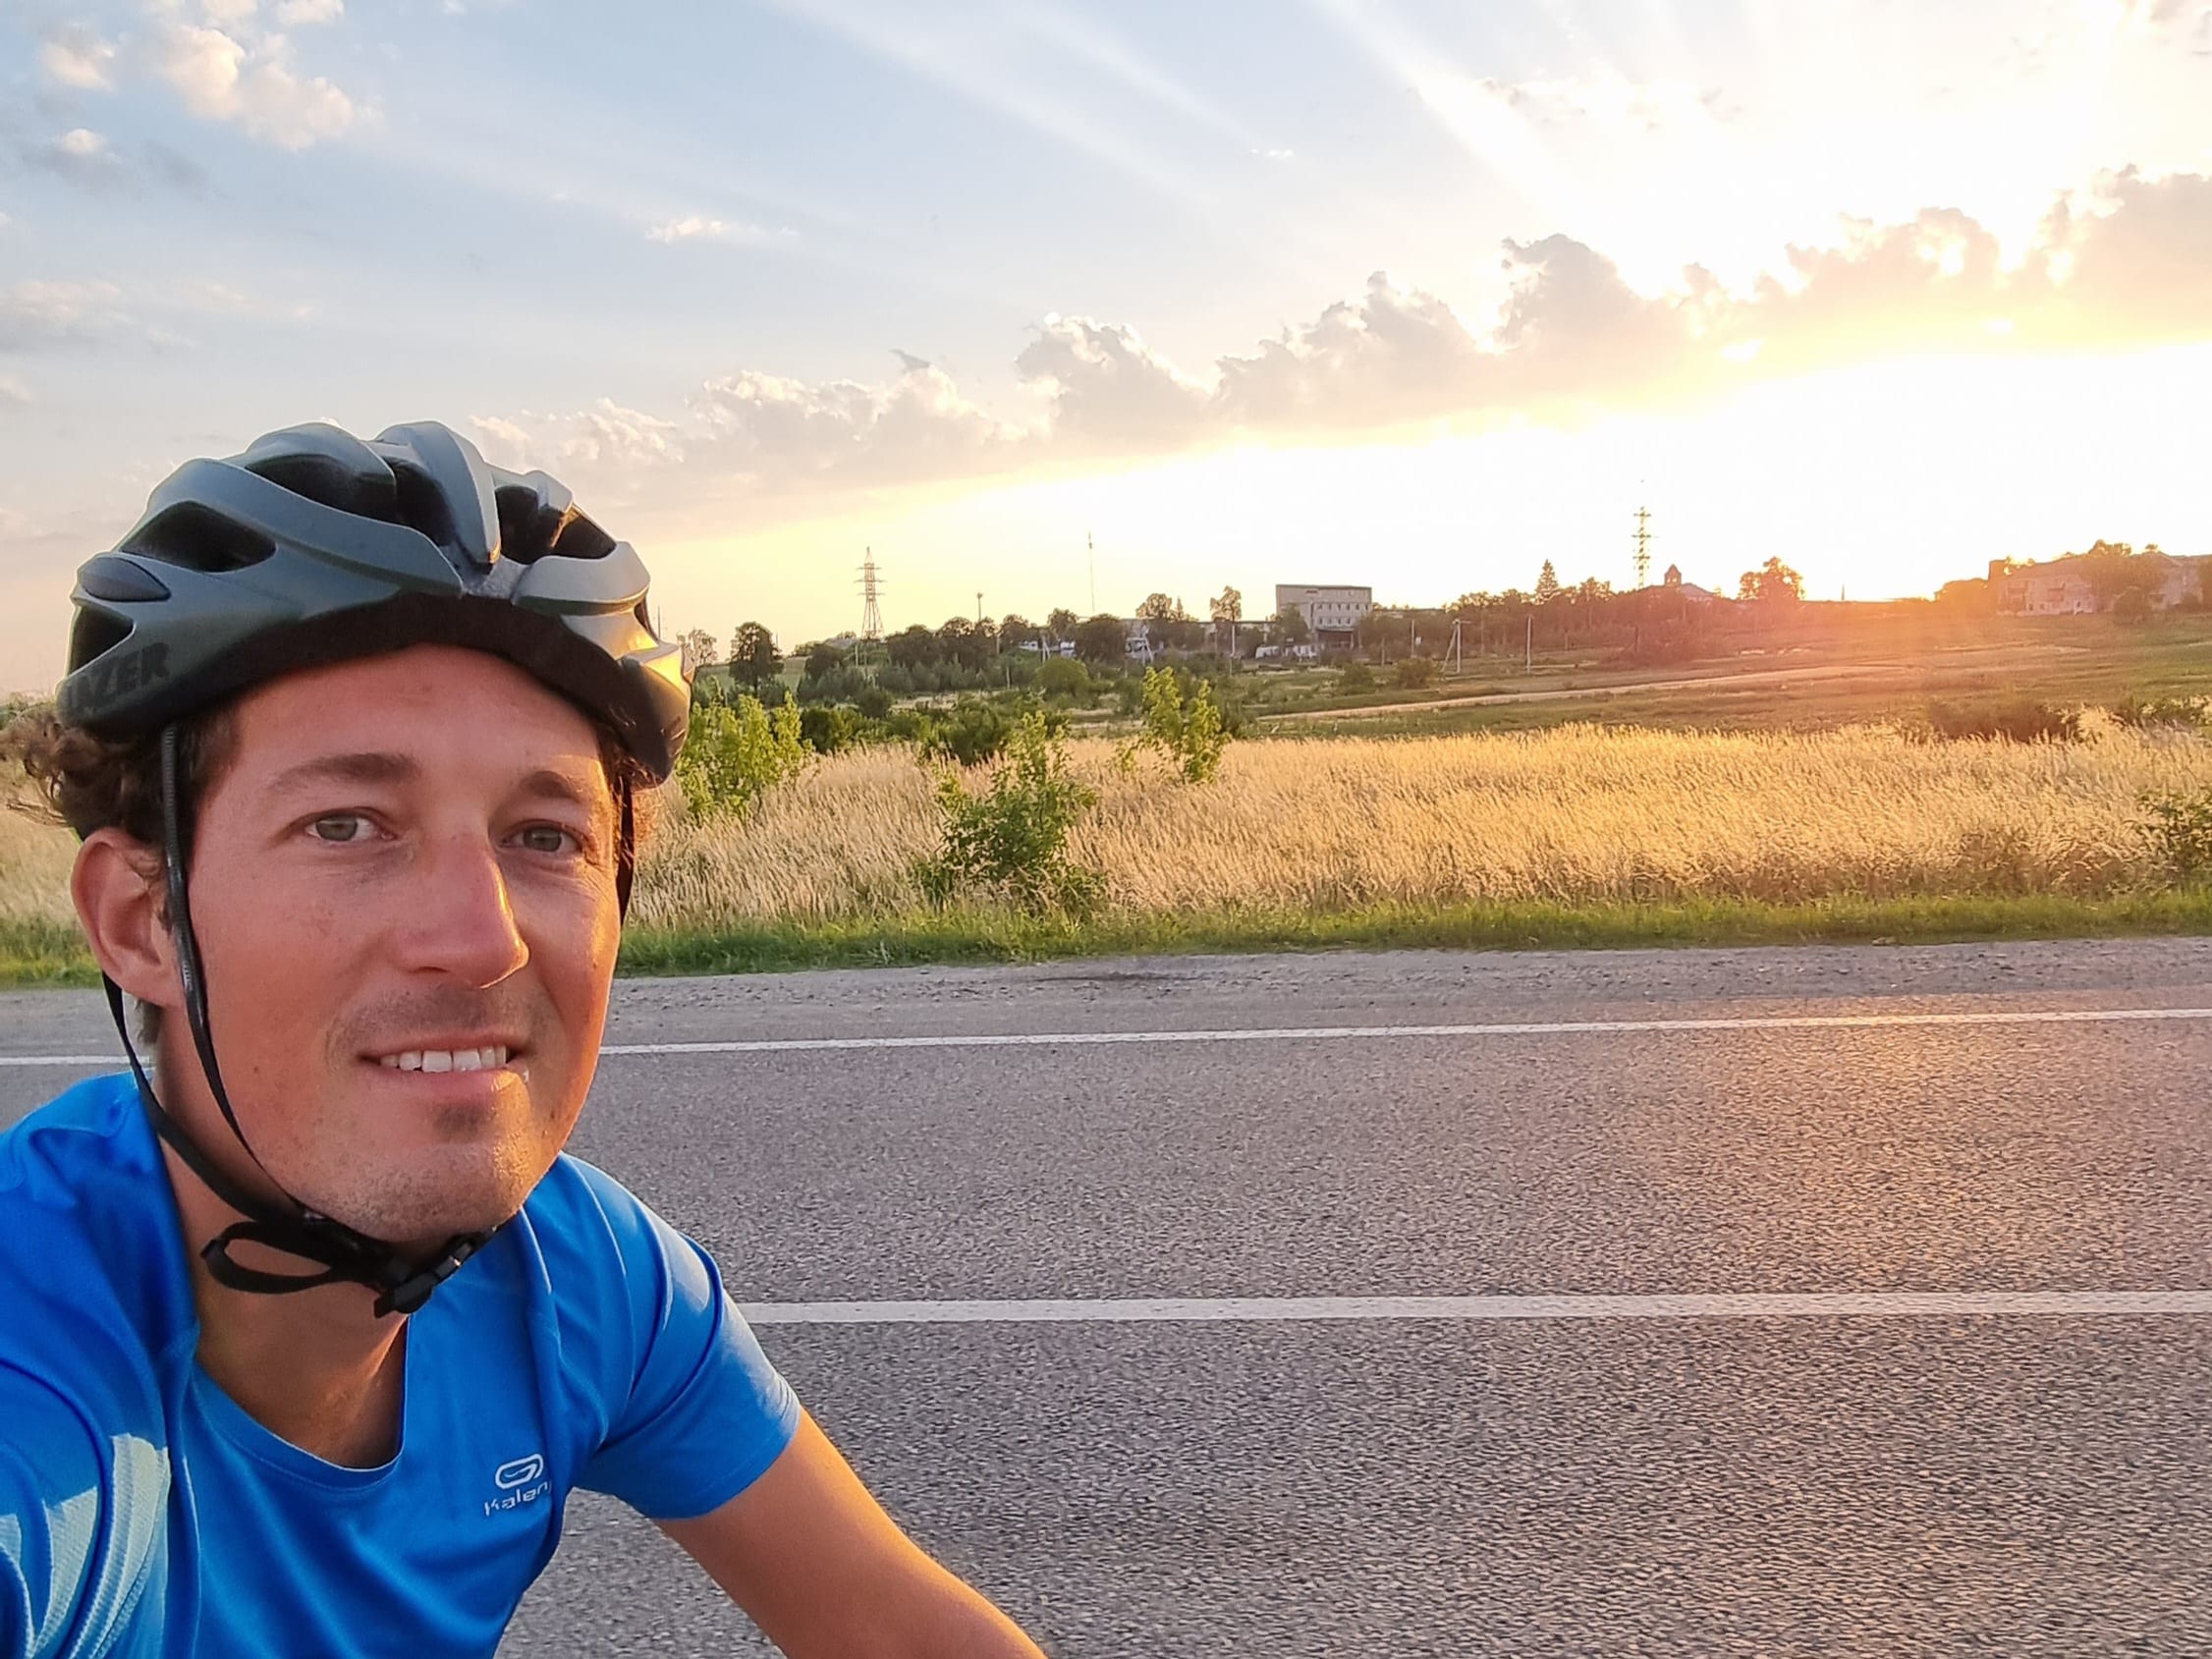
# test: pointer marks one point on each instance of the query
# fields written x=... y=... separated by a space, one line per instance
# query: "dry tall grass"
x=34 y=860
x=1575 y=814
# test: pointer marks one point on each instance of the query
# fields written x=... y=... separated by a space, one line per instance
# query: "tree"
x=1547 y=584
x=1771 y=583
x=2113 y=569
x=1063 y=623
x=1290 y=628
x=752 y=655
x=1228 y=607
x=1158 y=607
x=1103 y=638
x=912 y=647
x=821 y=660
x=700 y=647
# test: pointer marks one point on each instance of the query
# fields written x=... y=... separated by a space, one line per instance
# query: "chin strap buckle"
x=412 y=1292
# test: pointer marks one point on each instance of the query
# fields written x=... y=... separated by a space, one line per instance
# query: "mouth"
x=492 y=1057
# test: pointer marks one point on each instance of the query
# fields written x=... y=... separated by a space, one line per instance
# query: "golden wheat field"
x=1570 y=815
x=1575 y=814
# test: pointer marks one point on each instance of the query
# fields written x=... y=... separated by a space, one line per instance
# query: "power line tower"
x=1643 y=547
x=871 y=608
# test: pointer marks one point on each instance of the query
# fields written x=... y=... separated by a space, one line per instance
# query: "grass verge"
x=50 y=954
x=985 y=936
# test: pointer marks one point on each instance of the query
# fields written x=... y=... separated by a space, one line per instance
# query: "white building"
x=1333 y=614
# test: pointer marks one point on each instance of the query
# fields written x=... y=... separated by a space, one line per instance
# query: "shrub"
x=833 y=685
x=1011 y=838
x=1064 y=677
x=2020 y=721
x=873 y=702
x=1356 y=677
x=1184 y=725
x=2142 y=712
x=1413 y=673
x=2178 y=831
x=736 y=755
x=825 y=731
x=973 y=733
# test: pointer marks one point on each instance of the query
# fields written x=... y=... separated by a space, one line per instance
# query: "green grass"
x=987 y=936
x=52 y=953
x=44 y=952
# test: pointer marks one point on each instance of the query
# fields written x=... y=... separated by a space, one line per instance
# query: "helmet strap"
x=283 y=1224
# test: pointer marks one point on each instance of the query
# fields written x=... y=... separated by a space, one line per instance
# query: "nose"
x=463 y=923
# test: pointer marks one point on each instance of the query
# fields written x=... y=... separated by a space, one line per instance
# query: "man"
x=306 y=1337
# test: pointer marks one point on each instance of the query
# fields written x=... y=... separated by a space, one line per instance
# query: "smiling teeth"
x=446 y=1060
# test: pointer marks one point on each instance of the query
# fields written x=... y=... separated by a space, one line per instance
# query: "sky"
x=1407 y=293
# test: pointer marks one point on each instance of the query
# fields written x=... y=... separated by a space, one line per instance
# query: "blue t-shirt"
x=142 y=1512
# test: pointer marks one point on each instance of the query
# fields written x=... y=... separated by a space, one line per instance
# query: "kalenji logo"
x=520 y=1482
x=520 y=1472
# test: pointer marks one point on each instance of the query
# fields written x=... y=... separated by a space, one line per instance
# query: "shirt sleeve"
x=75 y=1552
x=704 y=1413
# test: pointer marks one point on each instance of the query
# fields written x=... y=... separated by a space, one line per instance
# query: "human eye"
x=552 y=839
x=338 y=829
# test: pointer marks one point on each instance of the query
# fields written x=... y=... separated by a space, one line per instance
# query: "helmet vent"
x=92 y=633
x=199 y=538
x=422 y=504
x=530 y=528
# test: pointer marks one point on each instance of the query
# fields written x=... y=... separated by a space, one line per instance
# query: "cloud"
x=80 y=155
x=303 y=14
x=72 y=55
x=37 y=314
x=12 y=391
x=690 y=228
x=693 y=227
x=1610 y=99
x=2123 y=267
x=220 y=78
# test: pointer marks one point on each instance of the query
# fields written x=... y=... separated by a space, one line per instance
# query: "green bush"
x=1354 y=678
x=1010 y=840
x=873 y=702
x=1064 y=677
x=1413 y=673
x=2179 y=830
x=2019 y=721
x=2142 y=712
x=825 y=731
x=736 y=753
x=973 y=733
x=1184 y=724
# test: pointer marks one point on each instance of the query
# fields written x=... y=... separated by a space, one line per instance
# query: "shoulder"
x=619 y=1276
x=687 y=1410
x=83 y=1513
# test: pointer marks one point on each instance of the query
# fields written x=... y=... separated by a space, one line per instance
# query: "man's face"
x=408 y=861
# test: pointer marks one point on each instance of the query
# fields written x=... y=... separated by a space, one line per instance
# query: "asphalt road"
x=1872 y=1483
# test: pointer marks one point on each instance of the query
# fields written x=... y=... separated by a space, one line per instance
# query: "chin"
x=429 y=1206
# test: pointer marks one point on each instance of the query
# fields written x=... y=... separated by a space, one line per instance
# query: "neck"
x=317 y=1368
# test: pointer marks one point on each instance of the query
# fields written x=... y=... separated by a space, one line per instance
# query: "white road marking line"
x=1400 y=1034
x=1348 y=1033
x=1825 y=1305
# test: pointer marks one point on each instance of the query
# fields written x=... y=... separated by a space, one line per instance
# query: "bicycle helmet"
x=313 y=547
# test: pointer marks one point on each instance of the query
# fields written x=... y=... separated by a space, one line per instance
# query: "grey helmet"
x=314 y=546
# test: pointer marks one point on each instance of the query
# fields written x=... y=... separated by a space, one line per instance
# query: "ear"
x=117 y=888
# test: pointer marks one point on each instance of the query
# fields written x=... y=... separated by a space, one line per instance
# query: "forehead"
x=439 y=705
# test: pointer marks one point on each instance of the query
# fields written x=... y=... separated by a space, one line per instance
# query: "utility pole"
x=1090 y=546
x=1528 y=663
x=1643 y=547
x=871 y=612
